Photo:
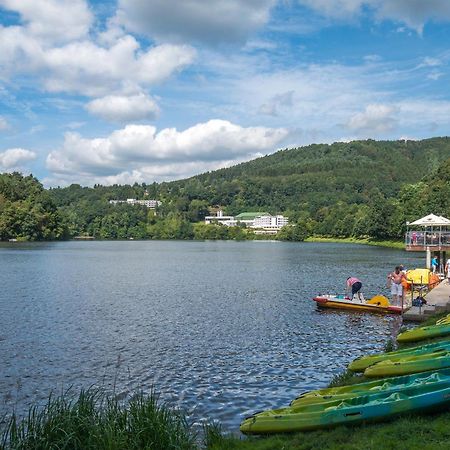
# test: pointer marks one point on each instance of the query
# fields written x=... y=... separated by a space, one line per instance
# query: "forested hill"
x=316 y=176
x=360 y=189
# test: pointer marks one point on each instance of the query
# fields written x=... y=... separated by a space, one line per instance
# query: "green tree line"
x=361 y=189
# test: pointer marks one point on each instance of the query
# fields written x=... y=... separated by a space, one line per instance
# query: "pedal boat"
x=377 y=304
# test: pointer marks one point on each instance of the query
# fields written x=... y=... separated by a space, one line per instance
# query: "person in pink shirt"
x=355 y=285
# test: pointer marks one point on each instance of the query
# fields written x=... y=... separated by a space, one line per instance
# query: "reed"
x=95 y=420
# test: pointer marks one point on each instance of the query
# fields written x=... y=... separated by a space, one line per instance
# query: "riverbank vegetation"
x=94 y=420
x=363 y=190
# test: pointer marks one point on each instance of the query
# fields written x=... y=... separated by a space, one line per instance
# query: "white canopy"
x=431 y=221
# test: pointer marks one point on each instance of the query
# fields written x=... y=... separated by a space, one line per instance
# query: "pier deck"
x=438 y=300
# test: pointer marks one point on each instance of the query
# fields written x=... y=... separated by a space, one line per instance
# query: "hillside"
x=362 y=189
x=315 y=176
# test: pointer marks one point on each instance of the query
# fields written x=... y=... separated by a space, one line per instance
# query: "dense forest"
x=362 y=189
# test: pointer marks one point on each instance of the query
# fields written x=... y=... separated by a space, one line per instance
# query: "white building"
x=229 y=221
x=132 y=201
x=258 y=221
x=269 y=222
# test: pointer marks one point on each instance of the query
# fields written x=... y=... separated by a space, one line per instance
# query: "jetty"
x=438 y=300
x=430 y=234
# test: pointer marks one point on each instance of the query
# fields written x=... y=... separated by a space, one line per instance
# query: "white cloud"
x=89 y=68
x=83 y=67
x=3 y=124
x=15 y=157
x=194 y=20
x=375 y=119
x=165 y=154
x=116 y=108
x=413 y=13
x=54 y=20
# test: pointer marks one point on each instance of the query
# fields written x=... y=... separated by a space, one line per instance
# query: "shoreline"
x=389 y=244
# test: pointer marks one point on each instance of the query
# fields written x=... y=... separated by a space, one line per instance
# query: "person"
x=447 y=269
x=355 y=285
x=434 y=264
x=395 y=279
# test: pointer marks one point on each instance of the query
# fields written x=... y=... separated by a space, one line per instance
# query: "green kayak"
x=395 y=384
x=360 y=364
x=353 y=410
x=421 y=333
x=410 y=364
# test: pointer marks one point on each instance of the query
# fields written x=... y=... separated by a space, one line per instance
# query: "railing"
x=427 y=238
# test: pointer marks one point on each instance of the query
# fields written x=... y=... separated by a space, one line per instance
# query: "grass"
x=391 y=244
x=408 y=432
x=94 y=420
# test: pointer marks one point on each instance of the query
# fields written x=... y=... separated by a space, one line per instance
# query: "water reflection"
x=220 y=328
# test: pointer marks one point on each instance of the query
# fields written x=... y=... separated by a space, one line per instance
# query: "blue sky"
x=151 y=90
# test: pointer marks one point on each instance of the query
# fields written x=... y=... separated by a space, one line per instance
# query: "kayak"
x=361 y=363
x=421 y=333
x=353 y=410
x=395 y=384
x=410 y=364
x=378 y=304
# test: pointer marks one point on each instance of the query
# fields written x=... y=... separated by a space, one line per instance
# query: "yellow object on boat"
x=419 y=276
x=379 y=300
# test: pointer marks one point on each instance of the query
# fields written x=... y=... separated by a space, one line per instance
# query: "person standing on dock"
x=355 y=285
x=395 y=279
x=447 y=269
x=434 y=264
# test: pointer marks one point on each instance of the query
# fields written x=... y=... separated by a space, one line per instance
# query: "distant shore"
x=390 y=244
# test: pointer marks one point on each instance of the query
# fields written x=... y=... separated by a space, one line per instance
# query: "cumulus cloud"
x=54 y=20
x=86 y=68
x=166 y=153
x=413 y=13
x=194 y=20
x=83 y=65
x=375 y=119
x=115 y=108
x=15 y=157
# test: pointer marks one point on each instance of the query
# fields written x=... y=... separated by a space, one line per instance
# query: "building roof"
x=430 y=221
x=250 y=215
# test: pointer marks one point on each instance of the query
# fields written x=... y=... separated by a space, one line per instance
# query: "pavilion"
x=430 y=234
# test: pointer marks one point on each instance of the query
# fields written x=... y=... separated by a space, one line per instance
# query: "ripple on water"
x=221 y=329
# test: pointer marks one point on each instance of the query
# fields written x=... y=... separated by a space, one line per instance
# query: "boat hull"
x=334 y=302
x=409 y=365
x=362 y=363
x=354 y=410
x=422 y=333
x=394 y=384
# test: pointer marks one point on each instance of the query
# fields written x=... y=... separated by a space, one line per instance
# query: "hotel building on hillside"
x=262 y=222
x=229 y=221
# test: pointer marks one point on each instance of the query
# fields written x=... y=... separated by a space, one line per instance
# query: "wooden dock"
x=438 y=300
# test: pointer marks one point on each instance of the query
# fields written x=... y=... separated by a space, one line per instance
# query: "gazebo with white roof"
x=431 y=234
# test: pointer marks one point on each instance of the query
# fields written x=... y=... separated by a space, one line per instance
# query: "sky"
x=124 y=91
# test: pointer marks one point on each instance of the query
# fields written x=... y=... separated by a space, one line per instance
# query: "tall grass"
x=95 y=420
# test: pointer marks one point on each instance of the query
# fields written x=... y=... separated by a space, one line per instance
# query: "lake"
x=220 y=329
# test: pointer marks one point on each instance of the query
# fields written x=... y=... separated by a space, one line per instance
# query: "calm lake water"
x=221 y=329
